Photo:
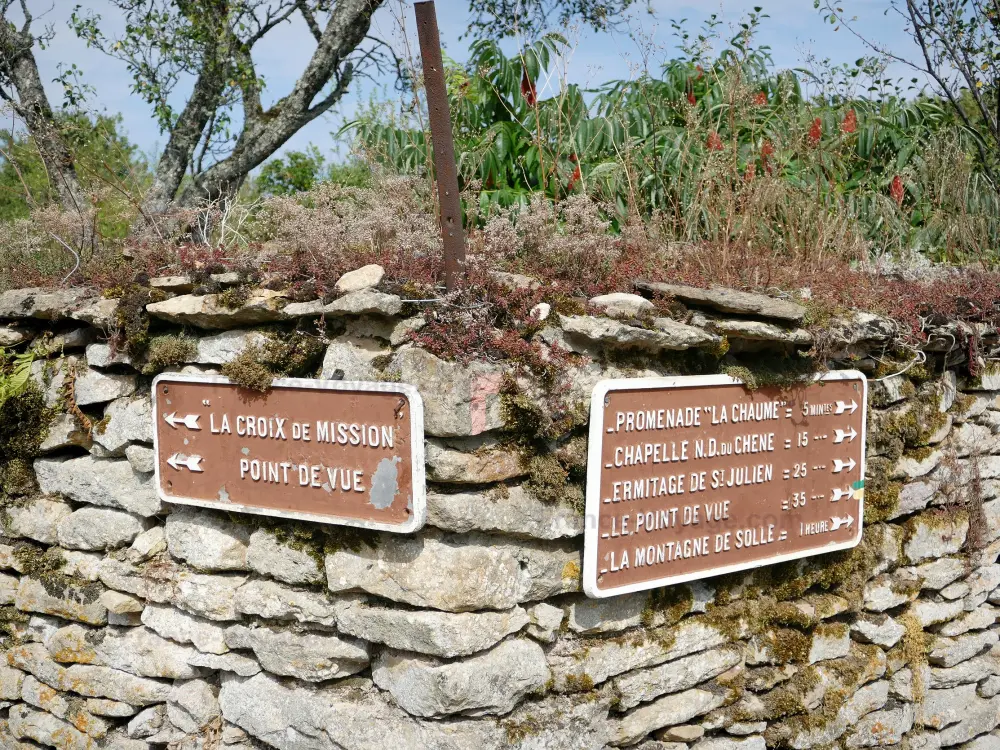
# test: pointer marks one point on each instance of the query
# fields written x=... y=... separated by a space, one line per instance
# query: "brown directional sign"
x=327 y=451
x=692 y=477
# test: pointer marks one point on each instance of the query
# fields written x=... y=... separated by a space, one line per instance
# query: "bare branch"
x=307 y=14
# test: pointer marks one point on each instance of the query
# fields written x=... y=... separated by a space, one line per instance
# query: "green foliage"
x=15 y=373
x=295 y=172
x=107 y=164
x=957 y=48
x=721 y=147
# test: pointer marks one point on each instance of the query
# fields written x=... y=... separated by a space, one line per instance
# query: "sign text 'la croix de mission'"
x=326 y=451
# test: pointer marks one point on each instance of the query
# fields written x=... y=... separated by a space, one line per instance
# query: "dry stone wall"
x=129 y=623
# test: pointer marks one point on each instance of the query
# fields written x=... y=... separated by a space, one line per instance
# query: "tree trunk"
x=18 y=65
x=265 y=132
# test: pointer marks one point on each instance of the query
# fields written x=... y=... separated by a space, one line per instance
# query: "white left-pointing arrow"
x=191 y=463
x=843 y=435
x=839 y=466
x=190 y=421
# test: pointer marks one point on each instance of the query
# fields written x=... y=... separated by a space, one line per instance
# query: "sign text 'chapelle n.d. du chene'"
x=327 y=451
x=691 y=477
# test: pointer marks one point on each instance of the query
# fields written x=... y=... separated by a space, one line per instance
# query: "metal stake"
x=444 y=147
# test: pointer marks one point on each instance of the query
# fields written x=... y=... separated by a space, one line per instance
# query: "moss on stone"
x=768 y=371
x=131 y=318
x=24 y=424
x=518 y=731
x=36 y=562
x=578 y=683
x=292 y=354
x=17 y=478
x=318 y=542
x=10 y=618
x=235 y=297
x=546 y=478
x=667 y=605
x=247 y=370
x=168 y=351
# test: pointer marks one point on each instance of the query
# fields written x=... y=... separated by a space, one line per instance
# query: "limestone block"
x=48 y=699
x=443 y=634
x=38 y=518
x=139 y=651
x=730 y=300
x=879 y=629
x=513 y=511
x=489 y=683
x=263 y=306
x=365 y=302
x=110 y=484
x=339 y=716
x=127 y=421
x=576 y=663
x=420 y=571
x=221 y=348
x=313 y=657
x=65 y=431
x=669 y=710
x=96 y=387
x=644 y=685
x=41 y=304
x=365 y=277
x=92 y=528
x=584 y=332
x=276 y=601
x=458 y=400
x=933 y=534
x=282 y=560
x=544 y=622
x=206 y=540
x=141 y=458
x=886 y=727
x=101 y=354
x=64 y=598
x=483 y=466
x=947 y=652
x=622 y=305
x=981 y=617
x=193 y=705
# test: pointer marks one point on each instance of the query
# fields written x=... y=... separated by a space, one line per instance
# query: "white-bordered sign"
x=338 y=452
x=691 y=477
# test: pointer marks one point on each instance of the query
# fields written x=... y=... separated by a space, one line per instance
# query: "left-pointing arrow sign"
x=190 y=421
x=191 y=463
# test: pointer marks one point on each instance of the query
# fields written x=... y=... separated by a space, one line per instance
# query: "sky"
x=794 y=31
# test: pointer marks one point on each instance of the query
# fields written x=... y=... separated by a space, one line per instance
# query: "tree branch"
x=18 y=64
x=266 y=132
x=307 y=14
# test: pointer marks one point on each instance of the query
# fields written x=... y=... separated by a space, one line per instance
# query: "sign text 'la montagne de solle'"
x=691 y=477
x=327 y=451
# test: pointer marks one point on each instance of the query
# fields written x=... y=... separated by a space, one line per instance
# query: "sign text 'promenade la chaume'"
x=317 y=450
x=697 y=476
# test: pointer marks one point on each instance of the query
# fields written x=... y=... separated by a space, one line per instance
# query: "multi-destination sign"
x=692 y=477
x=328 y=451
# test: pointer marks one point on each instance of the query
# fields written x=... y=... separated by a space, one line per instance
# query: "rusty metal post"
x=444 y=146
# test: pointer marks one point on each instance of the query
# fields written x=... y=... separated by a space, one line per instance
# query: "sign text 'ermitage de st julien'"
x=691 y=477
x=316 y=450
